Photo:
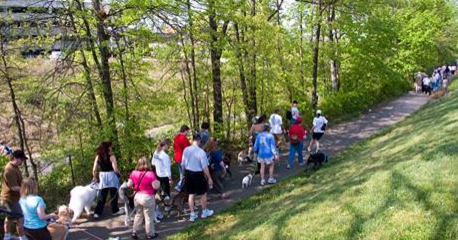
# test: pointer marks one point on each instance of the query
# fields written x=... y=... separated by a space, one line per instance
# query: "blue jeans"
x=180 y=183
x=292 y=153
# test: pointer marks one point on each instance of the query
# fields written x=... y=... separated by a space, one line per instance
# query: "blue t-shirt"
x=265 y=145
x=29 y=206
x=216 y=157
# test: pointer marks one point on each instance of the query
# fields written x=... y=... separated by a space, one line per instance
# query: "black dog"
x=227 y=163
x=317 y=159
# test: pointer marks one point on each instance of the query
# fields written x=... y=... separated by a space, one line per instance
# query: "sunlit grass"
x=400 y=184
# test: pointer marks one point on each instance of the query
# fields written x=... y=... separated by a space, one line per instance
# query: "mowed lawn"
x=400 y=184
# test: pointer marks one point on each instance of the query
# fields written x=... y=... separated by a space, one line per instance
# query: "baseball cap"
x=298 y=120
x=318 y=112
x=266 y=127
x=19 y=154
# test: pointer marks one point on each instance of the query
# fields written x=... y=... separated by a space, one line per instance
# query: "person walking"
x=10 y=195
x=161 y=160
x=144 y=182
x=426 y=85
x=216 y=166
x=319 y=126
x=277 y=128
x=266 y=153
x=34 y=210
x=180 y=142
x=197 y=177
x=108 y=178
x=297 y=136
x=295 y=112
x=204 y=134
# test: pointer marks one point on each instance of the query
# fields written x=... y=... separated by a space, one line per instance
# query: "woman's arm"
x=114 y=164
x=43 y=216
x=156 y=184
x=130 y=183
x=94 y=168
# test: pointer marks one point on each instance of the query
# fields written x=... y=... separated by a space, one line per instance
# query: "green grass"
x=400 y=184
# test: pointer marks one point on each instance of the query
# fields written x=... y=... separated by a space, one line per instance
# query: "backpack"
x=294 y=139
x=323 y=128
x=289 y=115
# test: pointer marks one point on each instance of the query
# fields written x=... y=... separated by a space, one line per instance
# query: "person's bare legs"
x=271 y=170
x=317 y=146
x=191 y=202
x=262 y=171
x=310 y=145
x=7 y=226
x=203 y=199
x=20 y=227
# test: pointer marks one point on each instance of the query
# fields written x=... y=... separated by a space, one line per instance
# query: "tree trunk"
x=335 y=81
x=253 y=77
x=104 y=40
x=316 y=53
x=242 y=76
x=215 y=54
x=301 y=50
x=193 y=121
x=195 y=96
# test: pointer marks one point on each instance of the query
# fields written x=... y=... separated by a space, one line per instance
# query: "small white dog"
x=82 y=197
x=243 y=157
x=246 y=181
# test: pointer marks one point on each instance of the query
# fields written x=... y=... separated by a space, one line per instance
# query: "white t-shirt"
x=162 y=162
x=194 y=159
x=295 y=112
x=276 y=122
x=318 y=123
x=426 y=81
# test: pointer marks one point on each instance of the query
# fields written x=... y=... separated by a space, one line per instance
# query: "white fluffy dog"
x=246 y=181
x=82 y=197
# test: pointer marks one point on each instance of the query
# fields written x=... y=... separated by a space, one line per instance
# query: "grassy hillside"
x=400 y=184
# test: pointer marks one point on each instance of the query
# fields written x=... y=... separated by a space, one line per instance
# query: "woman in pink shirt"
x=144 y=182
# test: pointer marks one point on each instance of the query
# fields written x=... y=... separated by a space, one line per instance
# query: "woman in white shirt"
x=319 y=126
x=161 y=160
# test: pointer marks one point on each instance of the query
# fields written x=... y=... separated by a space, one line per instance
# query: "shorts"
x=267 y=161
x=14 y=208
x=195 y=183
x=317 y=136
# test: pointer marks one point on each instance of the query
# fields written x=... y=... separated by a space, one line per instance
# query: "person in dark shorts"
x=319 y=126
x=197 y=177
x=10 y=195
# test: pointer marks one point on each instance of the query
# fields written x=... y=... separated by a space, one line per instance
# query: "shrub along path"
x=335 y=140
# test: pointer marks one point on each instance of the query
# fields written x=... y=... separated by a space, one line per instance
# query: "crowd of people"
x=199 y=163
x=439 y=79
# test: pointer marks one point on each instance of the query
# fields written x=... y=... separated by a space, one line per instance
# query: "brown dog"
x=179 y=201
x=59 y=229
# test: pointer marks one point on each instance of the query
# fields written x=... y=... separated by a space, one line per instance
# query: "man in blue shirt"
x=266 y=153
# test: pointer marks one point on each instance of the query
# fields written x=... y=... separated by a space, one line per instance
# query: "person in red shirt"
x=297 y=136
x=180 y=142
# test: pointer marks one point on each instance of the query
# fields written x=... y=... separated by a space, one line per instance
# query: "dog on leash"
x=128 y=203
x=60 y=228
x=227 y=163
x=246 y=181
x=244 y=157
x=82 y=197
x=317 y=159
x=178 y=202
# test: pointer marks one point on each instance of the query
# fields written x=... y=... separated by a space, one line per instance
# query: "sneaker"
x=271 y=181
x=23 y=238
x=301 y=164
x=119 y=212
x=96 y=216
x=207 y=213
x=167 y=208
x=263 y=182
x=134 y=236
x=288 y=166
x=193 y=217
x=167 y=198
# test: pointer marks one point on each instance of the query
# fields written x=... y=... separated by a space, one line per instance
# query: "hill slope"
x=400 y=184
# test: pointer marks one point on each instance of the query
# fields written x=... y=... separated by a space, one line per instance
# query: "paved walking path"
x=335 y=140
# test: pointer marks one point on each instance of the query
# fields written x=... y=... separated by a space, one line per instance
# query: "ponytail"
x=163 y=143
